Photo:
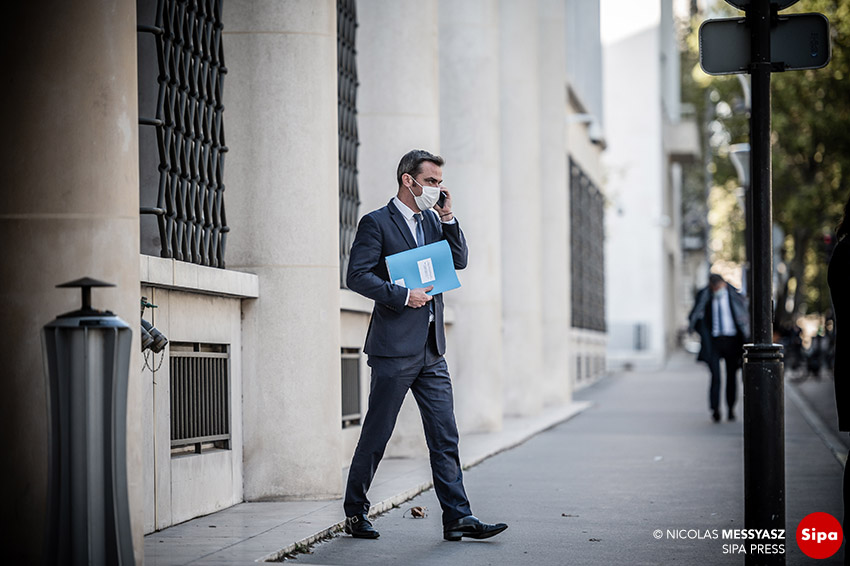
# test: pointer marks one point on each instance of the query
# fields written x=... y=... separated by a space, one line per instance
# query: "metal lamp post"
x=759 y=44
x=87 y=357
x=764 y=387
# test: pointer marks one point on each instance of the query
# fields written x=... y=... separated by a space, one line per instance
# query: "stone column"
x=398 y=102
x=469 y=138
x=555 y=280
x=398 y=106
x=69 y=208
x=521 y=207
x=283 y=199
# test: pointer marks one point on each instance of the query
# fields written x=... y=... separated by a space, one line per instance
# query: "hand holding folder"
x=423 y=266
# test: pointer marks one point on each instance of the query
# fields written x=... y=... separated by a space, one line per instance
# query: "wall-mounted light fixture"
x=152 y=339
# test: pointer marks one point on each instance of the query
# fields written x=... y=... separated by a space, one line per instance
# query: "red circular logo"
x=819 y=535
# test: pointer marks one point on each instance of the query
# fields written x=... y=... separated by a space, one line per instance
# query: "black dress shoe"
x=715 y=416
x=731 y=416
x=471 y=527
x=359 y=526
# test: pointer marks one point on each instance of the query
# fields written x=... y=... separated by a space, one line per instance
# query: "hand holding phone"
x=441 y=202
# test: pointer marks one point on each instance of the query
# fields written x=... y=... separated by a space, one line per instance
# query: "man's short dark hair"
x=411 y=162
x=715 y=279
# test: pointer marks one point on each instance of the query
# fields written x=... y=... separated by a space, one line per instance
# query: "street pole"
x=748 y=245
x=764 y=395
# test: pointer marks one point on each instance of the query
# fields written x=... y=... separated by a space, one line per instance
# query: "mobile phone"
x=441 y=202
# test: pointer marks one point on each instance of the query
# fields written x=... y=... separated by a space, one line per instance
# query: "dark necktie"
x=420 y=241
x=719 y=317
x=420 y=233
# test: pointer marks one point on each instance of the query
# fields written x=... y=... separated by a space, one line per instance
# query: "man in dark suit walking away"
x=721 y=318
x=406 y=342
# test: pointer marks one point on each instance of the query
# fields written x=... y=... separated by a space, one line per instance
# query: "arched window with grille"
x=181 y=133
x=349 y=199
x=587 y=247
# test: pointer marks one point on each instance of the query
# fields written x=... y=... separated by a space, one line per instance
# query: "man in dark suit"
x=720 y=316
x=405 y=344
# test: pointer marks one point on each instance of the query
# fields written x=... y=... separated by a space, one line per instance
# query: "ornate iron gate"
x=349 y=198
x=189 y=127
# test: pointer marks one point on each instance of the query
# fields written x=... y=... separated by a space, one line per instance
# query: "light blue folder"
x=424 y=266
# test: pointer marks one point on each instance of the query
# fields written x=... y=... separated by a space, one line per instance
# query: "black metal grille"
x=349 y=198
x=350 y=387
x=190 y=147
x=587 y=245
x=200 y=395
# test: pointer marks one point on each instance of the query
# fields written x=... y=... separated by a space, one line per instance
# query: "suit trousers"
x=427 y=376
x=724 y=348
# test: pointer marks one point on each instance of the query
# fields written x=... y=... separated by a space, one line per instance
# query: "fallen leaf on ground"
x=417 y=512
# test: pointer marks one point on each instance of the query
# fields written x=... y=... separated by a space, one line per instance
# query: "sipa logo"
x=819 y=535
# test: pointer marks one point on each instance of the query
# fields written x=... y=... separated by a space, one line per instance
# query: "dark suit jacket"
x=839 y=287
x=396 y=330
x=701 y=319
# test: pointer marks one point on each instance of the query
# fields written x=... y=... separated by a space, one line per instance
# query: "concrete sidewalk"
x=591 y=490
x=265 y=531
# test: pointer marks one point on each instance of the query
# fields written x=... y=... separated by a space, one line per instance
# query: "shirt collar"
x=404 y=209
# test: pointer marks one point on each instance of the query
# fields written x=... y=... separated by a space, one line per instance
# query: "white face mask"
x=428 y=198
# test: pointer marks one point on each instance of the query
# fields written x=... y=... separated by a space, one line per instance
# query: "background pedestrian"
x=721 y=318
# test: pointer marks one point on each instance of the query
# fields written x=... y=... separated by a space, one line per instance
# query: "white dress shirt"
x=411 y=221
x=722 y=319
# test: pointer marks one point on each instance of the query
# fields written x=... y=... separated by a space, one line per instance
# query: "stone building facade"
x=214 y=156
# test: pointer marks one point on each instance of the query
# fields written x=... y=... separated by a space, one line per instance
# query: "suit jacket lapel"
x=401 y=223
